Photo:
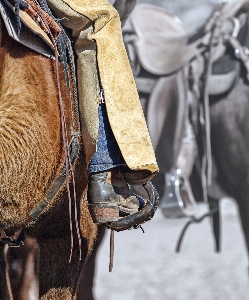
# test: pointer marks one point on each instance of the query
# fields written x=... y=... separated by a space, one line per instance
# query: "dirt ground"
x=147 y=268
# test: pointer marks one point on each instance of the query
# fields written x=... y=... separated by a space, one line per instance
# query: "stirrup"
x=178 y=200
x=135 y=220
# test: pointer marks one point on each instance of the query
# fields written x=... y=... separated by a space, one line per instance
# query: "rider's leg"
x=109 y=195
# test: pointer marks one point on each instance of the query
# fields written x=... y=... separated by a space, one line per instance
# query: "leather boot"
x=110 y=197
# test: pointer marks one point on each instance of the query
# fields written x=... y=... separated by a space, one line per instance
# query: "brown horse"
x=31 y=158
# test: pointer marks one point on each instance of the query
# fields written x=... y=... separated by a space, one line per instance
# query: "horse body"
x=31 y=157
x=230 y=147
x=30 y=130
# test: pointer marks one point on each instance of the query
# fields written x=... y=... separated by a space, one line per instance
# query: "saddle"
x=32 y=34
x=178 y=70
x=164 y=44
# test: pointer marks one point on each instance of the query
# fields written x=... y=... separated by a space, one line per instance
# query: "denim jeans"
x=108 y=154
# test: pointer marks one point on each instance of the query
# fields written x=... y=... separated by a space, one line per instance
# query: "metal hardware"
x=8 y=240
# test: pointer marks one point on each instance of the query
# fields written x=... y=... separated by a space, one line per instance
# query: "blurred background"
x=146 y=265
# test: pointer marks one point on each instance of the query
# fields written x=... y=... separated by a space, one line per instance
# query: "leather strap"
x=31 y=35
x=58 y=181
x=10 y=241
x=26 y=17
x=240 y=52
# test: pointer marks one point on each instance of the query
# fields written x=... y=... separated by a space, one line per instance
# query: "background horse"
x=228 y=119
x=230 y=148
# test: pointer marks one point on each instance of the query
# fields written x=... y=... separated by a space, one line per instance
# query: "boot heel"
x=103 y=213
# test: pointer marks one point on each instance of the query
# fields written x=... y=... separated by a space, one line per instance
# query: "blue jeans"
x=108 y=154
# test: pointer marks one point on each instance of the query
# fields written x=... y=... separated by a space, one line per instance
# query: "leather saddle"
x=178 y=70
x=31 y=34
x=164 y=45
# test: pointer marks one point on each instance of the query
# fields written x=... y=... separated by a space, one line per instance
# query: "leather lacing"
x=69 y=169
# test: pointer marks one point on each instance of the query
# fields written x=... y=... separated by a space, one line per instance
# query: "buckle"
x=8 y=240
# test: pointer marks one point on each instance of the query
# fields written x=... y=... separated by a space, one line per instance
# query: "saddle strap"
x=241 y=52
x=58 y=182
x=38 y=15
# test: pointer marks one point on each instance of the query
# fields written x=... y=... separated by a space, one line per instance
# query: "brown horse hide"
x=31 y=157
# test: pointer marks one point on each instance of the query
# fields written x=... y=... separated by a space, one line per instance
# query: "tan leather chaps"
x=102 y=60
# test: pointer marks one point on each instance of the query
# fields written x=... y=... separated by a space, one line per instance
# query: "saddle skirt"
x=164 y=44
x=161 y=39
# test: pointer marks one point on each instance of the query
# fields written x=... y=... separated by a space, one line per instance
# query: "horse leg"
x=3 y=278
x=58 y=276
x=215 y=221
x=243 y=205
x=230 y=147
x=22 y=270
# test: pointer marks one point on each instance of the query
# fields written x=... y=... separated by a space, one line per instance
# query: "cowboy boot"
x=110 y=197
